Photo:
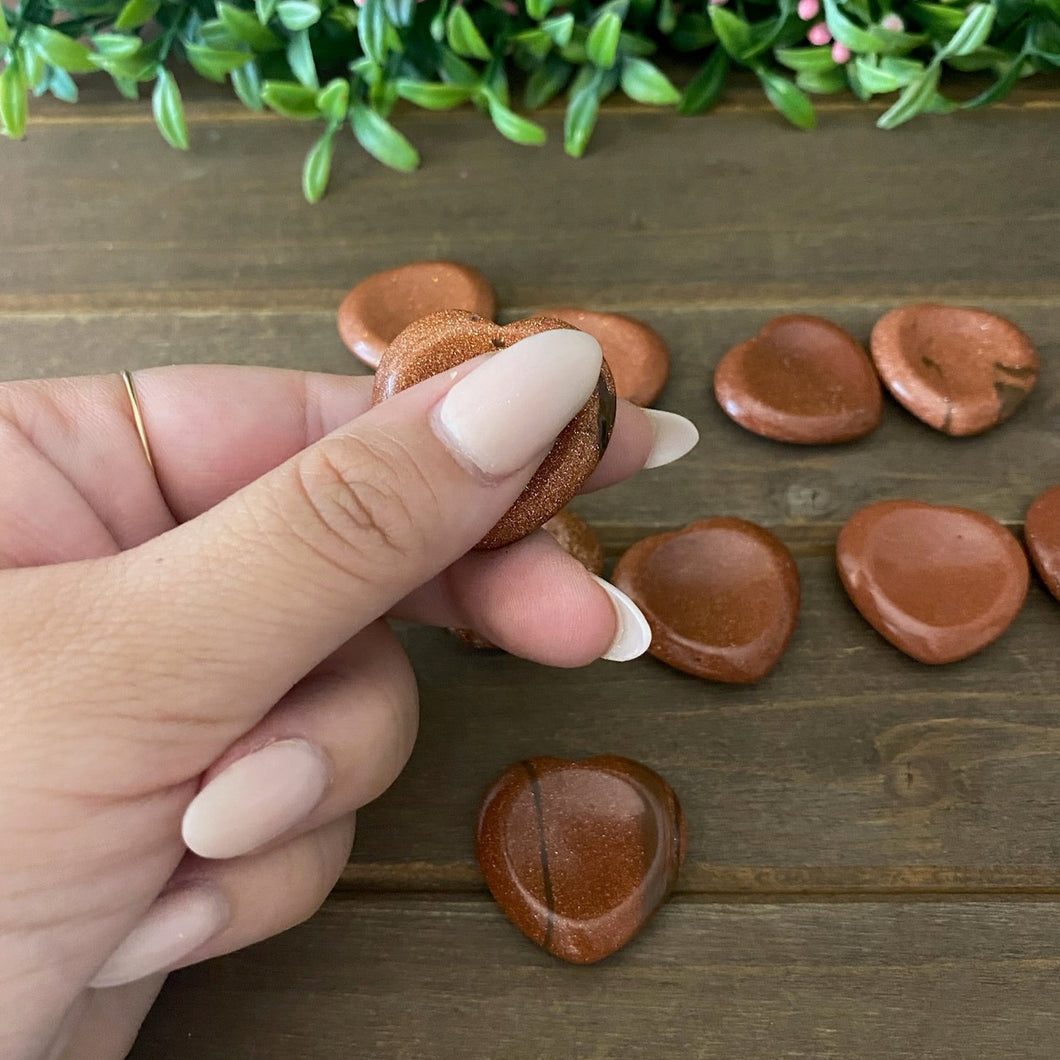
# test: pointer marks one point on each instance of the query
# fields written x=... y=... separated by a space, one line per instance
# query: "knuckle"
x=364 y=498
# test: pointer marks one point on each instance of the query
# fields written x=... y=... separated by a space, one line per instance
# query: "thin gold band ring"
x=138 y=419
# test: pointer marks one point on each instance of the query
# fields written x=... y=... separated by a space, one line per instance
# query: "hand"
x=197 y=689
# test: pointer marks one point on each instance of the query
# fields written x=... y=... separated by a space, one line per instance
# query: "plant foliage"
x=345 y=65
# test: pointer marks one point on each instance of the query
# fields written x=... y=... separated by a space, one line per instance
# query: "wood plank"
x=662 y=210
x=421 y=979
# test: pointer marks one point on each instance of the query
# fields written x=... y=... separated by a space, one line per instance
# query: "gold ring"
x=138 y=419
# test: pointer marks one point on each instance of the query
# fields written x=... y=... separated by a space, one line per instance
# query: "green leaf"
x=917 y=96
x=704 y=90
x=560 y=29
x=875 y=80
x=34 y=66
x=547 y=81
x=463 y=35
x=514 y=127
x=6 y=35
x=334 y=100
x=246 y=81
x=602 y=43
x=290 y=99
x=264 y=9
x=973 y=32
x=317 y=166
x=213 y=63
x=1000 y=88
x=14 y=100
x=381 y=140
x=849 y=33
x=788 y=98
x=120 y=45
x=538 y=9
x=432 y=95
x=127 y=87
x=400 y=12
x=456 y=70
x=136 y=13
x=937 y=18
x=297 y=14
x=693 y=32
x=809 y=58
x=823 y=82
x=582 y=113
x=62 y=85
x=168 y=109
x=644 y=82
x=373 y=29
x=62 y=51
x=245 y=27
x=733 y=32
x=300 y=60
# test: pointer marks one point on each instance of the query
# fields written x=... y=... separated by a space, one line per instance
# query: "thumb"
x=262 y=587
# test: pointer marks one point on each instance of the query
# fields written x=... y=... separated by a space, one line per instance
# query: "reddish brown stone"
x=959 y=370
x=381 y=306
x=443 y=340
x=1042 y=532
x=637 y=354
x=800 y=379
x=573 y=535
x=721 y=597
x=938 y=583
x=579 y=855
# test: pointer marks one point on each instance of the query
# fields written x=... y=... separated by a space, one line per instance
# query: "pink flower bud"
x=808 y=9
x=719 y=3
x=818 y=34
x=840 y=53
x=893 y=23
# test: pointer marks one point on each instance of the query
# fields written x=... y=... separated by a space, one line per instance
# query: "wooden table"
x=874 y=868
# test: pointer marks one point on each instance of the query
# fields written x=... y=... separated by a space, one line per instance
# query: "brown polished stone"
x=800 y=379
x=443 y=340
x=938 y=583
x=636 y=353
x=579 y=855
x=1042 y=532
x=574 y=535
x=381 y=306
x=959 y=370
x=721 y=597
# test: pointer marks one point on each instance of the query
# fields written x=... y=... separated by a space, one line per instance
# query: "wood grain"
x=412 y=980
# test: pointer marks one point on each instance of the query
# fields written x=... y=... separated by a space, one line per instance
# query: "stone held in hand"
x=1042 y=534
x=801 y=379
x=574 y=535
x=721 y=597
x=381 y=306
x=960 y=370
x=580 y=855
x=939 y=583
x=636 y=353
x=441 y=341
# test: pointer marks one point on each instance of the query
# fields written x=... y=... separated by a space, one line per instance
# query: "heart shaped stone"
x=721 y=597
x=800 y=379
x=579 y=855
x=636 y=353
x=1042 y=534
x=440 y=342
x=938 y=583
x=574 y=535
x=961 y=371
x=380 y=307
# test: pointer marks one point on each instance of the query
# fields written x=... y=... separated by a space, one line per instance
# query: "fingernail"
x=634 y=633
x=177 y=924
x=510 y=409
x=255 y=799
x=674 y=436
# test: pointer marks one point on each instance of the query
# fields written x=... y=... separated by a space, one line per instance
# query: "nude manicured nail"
x=176 y=925
x=674 y=436
x=255 y=799
x=510 y=409
x=634 y=633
